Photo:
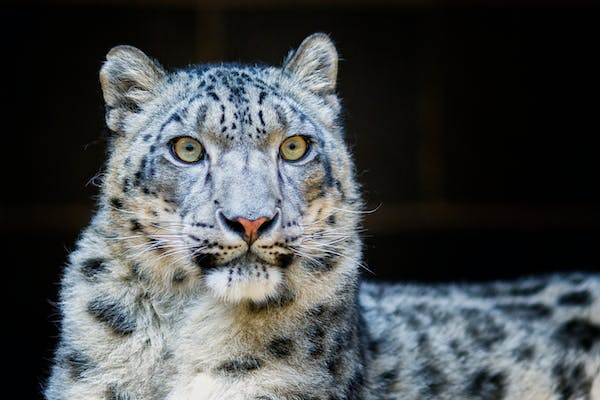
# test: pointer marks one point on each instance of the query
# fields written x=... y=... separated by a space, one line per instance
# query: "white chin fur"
x=250 y=282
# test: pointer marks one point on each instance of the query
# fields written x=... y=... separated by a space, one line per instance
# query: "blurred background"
x=475 y=127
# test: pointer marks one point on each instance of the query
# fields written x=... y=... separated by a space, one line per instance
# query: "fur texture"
x=165 y=296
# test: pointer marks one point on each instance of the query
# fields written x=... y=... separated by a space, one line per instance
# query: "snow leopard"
x=224 y=261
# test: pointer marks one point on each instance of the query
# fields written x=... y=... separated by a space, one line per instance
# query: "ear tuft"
x=315 y=64
x=128 y=79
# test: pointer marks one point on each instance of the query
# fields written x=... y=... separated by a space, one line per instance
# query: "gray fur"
x=164 y=299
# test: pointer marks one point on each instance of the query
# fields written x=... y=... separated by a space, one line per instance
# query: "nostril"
x=235 y=226
x=266 y=226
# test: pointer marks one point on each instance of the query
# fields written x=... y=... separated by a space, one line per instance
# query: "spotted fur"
x=166 y=297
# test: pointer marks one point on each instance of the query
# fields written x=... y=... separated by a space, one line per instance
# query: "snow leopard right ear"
x=128 y=78
x=314 y=64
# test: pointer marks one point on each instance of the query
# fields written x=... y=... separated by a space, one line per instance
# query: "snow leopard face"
x=234 y=176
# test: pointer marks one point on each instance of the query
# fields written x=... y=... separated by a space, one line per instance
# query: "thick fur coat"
x=235 y=274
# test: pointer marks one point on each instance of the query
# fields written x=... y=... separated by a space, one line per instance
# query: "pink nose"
x=251 y=228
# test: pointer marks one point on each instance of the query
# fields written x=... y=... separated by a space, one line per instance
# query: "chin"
x=235 y=282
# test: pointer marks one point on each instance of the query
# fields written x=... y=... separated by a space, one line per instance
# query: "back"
x=537 y=338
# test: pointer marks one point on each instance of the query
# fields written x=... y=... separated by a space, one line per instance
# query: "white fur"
x=596 y=388
x=246 y=283
x=206 y=387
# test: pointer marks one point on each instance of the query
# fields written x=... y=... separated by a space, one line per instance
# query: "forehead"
x=231 y=103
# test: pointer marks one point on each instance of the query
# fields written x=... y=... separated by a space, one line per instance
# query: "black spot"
x=126 y=185
x=316 y=311
x=135 y=225
x=113 y=315
x=459 y=351
x=179 y=276
x=281 y=347
x=578 y=333
x=411 y=318
x=433 y=380
x=423 y=342
x=373 y=346
x=284 y=260
x=571 y=381
x=482 y=328
x=116 y=203
x=91 y=267
x=173 y=118
x=205 y=261
x=77 y=363
x=138 y=179
x=240 y=365
x=577 y=298
x=261 y=97
x=147 y=137
x=485 y=385
x=315 y=335
x=524 y=353
x=214 y=96
x=526 y=311
x=386 y=381
x=335 y=361
x=280 y=113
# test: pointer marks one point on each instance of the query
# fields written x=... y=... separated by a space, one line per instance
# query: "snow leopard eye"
x=187 y=149
x=293 y=148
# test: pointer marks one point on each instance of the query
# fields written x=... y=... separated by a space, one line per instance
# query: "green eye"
x=293 y=148
x=187 y=149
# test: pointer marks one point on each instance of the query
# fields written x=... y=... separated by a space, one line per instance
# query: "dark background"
x=475 y=125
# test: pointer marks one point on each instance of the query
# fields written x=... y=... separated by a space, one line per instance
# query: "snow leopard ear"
x=315 y=64
x=128 y=78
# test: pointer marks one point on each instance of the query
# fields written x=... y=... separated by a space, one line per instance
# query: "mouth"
x=208 y=261
x=246 y=277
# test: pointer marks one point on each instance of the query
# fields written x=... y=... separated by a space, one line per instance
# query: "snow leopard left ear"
x=315 y=64
x=128 y=78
